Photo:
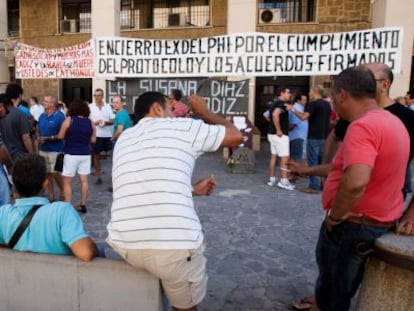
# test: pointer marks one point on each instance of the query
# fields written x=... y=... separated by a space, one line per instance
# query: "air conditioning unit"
x=176 y=19
x=68 y=25
x=269 y=16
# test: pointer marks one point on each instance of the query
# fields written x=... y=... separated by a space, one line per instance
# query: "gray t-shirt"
x=12 y=127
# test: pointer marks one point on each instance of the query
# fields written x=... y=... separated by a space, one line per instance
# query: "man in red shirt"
x=179 y=108
x=359 y=210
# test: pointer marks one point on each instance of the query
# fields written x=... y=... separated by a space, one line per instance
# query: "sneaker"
x=285 y=185
x=272 y=183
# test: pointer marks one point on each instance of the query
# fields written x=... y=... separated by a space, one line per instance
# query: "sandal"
x=304 y=303
x=82 y=209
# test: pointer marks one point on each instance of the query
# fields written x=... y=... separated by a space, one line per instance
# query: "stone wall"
x=40 y=27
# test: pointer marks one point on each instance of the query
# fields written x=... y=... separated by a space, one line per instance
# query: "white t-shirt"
x=36 y=110
x=153 y=162
x=105 y=113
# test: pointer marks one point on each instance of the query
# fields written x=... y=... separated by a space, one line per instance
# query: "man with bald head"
x=358 y=209
x=384 y=78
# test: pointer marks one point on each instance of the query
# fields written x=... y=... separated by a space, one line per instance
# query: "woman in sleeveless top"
x=78 y=132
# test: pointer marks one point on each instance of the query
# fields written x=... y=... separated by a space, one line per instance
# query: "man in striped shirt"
x=153 y=221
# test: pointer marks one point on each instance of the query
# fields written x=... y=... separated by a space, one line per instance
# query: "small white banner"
x=75 y=61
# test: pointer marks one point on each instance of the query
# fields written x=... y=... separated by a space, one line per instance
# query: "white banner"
x=70 y=62
x=248 y=54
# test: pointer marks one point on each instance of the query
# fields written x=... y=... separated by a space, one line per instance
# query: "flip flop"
x=304 y=303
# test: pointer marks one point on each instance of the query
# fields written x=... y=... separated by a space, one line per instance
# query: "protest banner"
x=248 y=54
x=69 y=62
x=225 y=98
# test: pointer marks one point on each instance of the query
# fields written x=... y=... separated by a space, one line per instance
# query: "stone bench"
x=39 y=282
x=388 y=282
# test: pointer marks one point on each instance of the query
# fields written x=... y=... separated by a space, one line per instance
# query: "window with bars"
x=139 y=14
x=286 y=11
x=75 y=16
x=13 y=15
x=146 y=14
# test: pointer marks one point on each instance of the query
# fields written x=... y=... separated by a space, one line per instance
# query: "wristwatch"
x=334 y=219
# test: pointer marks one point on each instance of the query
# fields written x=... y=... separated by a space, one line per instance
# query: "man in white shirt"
x=102 y=117
x=153 y=224
x=36 y=109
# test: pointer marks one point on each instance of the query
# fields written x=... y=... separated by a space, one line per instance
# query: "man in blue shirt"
x=49 y=125
x=122 y=120
x=56 y=228
x=298 y=128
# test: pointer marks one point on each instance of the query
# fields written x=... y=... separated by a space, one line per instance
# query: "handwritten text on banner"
x=251 y=54
x=75 y=61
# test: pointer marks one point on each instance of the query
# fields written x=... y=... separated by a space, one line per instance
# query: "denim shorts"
x=341 y=256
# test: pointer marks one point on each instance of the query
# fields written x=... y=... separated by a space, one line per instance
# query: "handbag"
x=21 y=228
x=59 y=162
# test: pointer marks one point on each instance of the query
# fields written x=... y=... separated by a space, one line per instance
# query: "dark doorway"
x=76 y=89
x=412 y=75
x=265 y=93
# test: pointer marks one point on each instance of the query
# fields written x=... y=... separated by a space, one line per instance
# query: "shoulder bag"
x=21 y=228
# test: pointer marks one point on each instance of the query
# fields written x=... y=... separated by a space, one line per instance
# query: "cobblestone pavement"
x=260 y=239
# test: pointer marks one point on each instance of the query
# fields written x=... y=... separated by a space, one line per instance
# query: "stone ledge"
x=34 y=282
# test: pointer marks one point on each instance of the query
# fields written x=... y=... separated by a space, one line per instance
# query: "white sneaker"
x=272 y=183
x=286 y=185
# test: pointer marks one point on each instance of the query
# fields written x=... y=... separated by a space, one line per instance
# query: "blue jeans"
x=296 y=149
x=4 y=188
x=314 y=150
x=341 y=256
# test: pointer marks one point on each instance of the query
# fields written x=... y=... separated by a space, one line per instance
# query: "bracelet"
x=334 y=219
x=53 y=137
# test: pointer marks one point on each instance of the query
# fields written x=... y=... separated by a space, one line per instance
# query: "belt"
x=370 y=222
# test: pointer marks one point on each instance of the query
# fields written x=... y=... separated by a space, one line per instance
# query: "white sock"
x=284 y=180
x=272 y=178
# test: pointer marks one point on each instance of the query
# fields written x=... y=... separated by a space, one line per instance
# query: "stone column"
x=105 y=22
x=4 y=67
x=241 y=19
x=397 y=13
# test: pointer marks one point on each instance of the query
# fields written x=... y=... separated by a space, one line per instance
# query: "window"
x=286 y=11
x=75 y=16
x=139 y=14
x=13 y=16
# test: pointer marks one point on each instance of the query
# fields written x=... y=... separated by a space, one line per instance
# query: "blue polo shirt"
x=301 y=126
x=25 y=110
x=122 y=118
x=54 y=227
x=50 y=126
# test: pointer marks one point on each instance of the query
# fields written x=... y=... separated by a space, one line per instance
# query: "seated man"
x=56 y=228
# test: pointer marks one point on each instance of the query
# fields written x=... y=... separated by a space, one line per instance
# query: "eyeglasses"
x=96 y=95
x=380 y=80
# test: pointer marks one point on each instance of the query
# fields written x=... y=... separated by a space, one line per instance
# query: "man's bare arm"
x=84 y=249
x=232 y=138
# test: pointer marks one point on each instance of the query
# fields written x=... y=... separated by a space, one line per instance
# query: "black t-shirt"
x=407 y=118
x=341 y=127
x=283 y=117
x=401 y=112
x=320 y=119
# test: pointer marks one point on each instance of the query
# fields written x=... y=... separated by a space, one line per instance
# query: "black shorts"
x=102 y=144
